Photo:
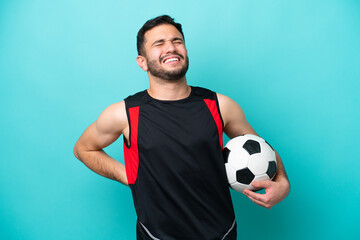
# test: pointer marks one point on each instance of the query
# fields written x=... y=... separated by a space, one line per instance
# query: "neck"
x=169 y=90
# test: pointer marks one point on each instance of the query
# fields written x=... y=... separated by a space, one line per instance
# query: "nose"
x=169 y=47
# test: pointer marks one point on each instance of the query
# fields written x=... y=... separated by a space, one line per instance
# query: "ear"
x=141 y=61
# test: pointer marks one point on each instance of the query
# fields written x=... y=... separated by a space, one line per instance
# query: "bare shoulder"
x=229 y=108
x=113 y=119
x=235 y=122
x=111 y=123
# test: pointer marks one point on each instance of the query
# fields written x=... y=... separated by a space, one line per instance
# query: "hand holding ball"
x=248 y=158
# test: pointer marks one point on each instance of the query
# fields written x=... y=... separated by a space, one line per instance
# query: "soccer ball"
x=248 y=158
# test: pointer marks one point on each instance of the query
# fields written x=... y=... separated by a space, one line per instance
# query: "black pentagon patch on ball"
x=252 y=147
x=226 y=153
x=244 y=176
x=271 y=169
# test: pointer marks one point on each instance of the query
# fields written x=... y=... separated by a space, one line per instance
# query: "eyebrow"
x=163 y=40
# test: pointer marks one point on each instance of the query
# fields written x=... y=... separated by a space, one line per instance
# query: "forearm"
x=102 y=164
x=281 y=176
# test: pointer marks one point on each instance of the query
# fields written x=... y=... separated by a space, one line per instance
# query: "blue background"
x=293 y=66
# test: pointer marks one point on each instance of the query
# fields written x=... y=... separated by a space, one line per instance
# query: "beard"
x=171 y=75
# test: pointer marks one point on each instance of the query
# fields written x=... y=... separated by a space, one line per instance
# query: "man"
x=173 y=146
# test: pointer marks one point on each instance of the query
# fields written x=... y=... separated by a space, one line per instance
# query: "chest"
x=181 y=125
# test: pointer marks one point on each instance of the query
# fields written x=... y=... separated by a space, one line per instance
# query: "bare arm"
x=235 y=124
x=111 y=123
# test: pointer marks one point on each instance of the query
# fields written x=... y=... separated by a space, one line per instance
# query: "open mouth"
x=171 y=59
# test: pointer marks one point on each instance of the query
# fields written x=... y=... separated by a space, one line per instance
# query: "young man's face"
x=165 y=53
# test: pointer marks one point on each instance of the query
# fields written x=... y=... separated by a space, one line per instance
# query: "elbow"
x=76 y=152
x=288 y=186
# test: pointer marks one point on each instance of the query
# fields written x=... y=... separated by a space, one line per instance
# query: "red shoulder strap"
x=211 y=104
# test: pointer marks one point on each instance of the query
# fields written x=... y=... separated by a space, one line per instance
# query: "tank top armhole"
x=127 y=144
x=218 y=107
x=131 y=103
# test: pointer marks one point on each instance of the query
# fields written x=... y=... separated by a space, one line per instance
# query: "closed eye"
x=158 y=43
x=178 y=41
x=161 y=42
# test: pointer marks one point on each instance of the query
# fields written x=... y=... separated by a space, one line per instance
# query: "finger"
x=257 y=202
x=262 y=184
x=257 y=196
x=267 y=205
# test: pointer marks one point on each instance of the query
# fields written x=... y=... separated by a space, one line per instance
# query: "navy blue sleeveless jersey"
x=175 y=168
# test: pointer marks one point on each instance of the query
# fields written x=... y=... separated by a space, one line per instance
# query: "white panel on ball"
x=239 y=158
x=268 y=151
x=231 y=173
x=235 y=142
x=258 y=163
x=262 y=177
x=239 y=187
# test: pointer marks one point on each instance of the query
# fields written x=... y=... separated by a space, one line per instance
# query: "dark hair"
x=164 y=19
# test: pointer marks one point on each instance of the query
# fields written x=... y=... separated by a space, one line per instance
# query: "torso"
x=175 y=167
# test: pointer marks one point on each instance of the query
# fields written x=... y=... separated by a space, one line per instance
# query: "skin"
x=162 y=42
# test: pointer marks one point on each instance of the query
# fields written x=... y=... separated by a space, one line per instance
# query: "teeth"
x=171 y=60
